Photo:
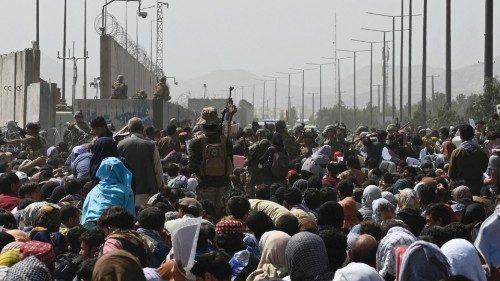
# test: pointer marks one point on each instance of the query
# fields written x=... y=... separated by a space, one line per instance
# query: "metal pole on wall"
x=85 y=49
x=38 y=24
x=63 y=88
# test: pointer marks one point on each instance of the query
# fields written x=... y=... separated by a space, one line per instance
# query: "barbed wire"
x=117 y=32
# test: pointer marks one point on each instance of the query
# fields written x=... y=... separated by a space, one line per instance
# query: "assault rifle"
x=228 y=113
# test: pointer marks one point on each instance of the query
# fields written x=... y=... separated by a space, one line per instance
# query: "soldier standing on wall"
x=162 y=91
x=210 y=157
x=119 y=89
x=140 y=95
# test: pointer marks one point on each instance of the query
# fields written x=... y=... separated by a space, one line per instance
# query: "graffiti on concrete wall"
x=116 y=112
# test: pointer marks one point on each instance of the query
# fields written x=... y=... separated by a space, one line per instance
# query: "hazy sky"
x=259 y=36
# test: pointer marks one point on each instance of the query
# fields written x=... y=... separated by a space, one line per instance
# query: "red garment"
x=329 y=181
x=8 y=202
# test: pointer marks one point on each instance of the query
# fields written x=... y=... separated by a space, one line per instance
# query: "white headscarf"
x=487 y=242
x=424 y=261
x=357 y=272
x=370 y=194
x=464 y=259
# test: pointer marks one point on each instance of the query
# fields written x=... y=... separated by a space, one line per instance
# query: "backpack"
x=215 y=161
x=279 y=166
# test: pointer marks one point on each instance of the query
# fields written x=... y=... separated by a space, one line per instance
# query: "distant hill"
x=466 y=80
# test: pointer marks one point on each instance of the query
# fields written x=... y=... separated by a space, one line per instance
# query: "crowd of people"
x=270 y=203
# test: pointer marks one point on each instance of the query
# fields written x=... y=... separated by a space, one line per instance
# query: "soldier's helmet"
x=120 y=78
x=78 y=114
x=163 y=79
x=209 y=116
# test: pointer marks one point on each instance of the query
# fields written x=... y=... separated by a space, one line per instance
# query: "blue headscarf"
x=113 y=172
x=114 y=189
x=103 y=147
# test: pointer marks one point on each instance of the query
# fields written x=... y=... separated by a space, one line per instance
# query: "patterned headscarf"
x=41 y=250
x=228 y=227
x=12 y=246
x=10 y=257
x=407 y=199
x=462 y=194
x=307 y=258
x=396 y=236
x=28 y=269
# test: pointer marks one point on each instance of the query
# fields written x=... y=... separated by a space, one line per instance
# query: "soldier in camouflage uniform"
x=210 y=158
x=306 y=147
x=162 y=91
x=255 y=152
x=119 y=88
x=291 y=146
x=78 y=132
x=140 y=95
x=334 y=136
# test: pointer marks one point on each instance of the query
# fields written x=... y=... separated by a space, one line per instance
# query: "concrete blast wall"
x=17 y=71
x=41 y=108
x=115 y=60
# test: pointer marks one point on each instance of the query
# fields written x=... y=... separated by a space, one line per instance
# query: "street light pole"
x=488 y=41
x=275 y=92
x=354 y=85
x=263 y=96
x=394 y=58
x=320 y=82
x=289 y=106
x=448 y=53
x=371 y=73
x=424 y=66
x=432 y=98
x=338 y=82
x=303 y=88
x=313 y=115
x=410 y=8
